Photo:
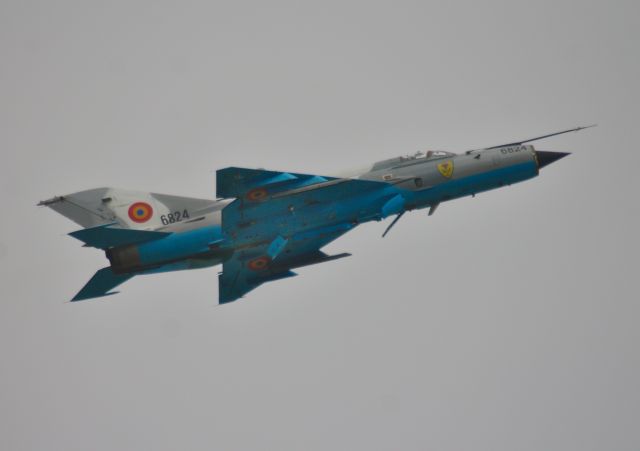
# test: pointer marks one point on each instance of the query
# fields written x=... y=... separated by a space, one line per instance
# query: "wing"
x=249 y=268
x=255 y=183
x=265 y=211
x=279 y=221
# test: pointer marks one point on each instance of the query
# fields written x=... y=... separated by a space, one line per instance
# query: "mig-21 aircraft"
x=266 y=223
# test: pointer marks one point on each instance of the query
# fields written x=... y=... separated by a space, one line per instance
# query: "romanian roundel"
x=259 y=264
x=257 y=194
x=140 y=212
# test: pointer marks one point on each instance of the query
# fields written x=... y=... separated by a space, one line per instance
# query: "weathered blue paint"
x=179 y=245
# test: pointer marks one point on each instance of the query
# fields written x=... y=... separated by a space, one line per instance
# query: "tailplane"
x=104 y=237
x=101 y=284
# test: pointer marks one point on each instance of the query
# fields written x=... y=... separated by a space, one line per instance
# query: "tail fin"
x=129 y=209
x=101 y=284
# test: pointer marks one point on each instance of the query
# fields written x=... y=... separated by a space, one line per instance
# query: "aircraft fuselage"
x=266 y=223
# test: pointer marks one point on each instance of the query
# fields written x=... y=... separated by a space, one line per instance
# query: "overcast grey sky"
x=503 y=322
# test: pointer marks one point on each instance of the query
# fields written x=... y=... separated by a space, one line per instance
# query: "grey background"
x=504 y=322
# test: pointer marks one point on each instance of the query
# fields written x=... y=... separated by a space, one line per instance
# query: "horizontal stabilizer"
x=101 y=284
x=104 y=236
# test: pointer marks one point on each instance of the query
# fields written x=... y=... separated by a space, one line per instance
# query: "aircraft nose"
x=545 y=157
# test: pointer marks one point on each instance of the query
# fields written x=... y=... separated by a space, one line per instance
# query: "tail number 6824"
x=176 y=216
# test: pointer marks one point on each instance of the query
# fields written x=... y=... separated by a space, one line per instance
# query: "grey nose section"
x=544 y=157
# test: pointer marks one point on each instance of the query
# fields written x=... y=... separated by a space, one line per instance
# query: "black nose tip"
x=544 y=158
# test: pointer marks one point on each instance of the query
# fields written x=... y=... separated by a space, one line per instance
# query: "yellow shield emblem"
x=446 y=168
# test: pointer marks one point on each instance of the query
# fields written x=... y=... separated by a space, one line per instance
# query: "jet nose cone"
x=544 y=158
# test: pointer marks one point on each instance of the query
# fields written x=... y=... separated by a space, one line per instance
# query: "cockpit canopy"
x=435 y=154
x=411 y=159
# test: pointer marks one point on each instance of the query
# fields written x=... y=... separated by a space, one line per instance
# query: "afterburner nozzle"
x=544 y=157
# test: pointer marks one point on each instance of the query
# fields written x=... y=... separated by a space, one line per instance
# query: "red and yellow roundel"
x=140 y=212
x=257 y=194
x=259 y=264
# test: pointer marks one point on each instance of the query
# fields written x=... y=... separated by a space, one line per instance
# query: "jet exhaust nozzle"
x=545 y=157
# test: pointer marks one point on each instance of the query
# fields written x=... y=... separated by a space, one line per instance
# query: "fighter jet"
x=266 y=223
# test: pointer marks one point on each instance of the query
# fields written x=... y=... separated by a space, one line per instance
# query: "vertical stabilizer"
x=128 y=209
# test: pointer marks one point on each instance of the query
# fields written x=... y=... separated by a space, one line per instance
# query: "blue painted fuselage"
x=315 y=213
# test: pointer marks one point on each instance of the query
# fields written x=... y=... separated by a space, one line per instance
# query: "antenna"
x=577 y=129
